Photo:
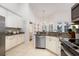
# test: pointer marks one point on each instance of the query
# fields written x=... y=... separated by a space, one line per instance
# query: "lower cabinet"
x=53 y=44
x=13 y=40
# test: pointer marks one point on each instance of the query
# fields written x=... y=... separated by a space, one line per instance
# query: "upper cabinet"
x=13 y=20
x=75 y=13
x=3 y=12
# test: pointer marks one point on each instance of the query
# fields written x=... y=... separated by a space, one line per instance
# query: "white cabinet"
x=48 y=42
x=8 y=42
x=13 y=40
x=20 y=38
x=53 y=44
x=3 y=12
x=13 y=20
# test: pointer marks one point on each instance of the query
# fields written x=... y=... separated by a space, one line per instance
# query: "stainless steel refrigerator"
x=2 y=36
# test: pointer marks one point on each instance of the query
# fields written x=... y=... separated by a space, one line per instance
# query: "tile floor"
x=22 y=50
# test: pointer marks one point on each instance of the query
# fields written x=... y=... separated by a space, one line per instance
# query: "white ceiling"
x=45 y=10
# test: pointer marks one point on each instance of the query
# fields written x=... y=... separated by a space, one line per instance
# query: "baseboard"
x=39 y=48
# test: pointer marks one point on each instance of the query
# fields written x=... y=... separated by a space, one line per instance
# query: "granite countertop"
x=13 y=31
x=57 y=34
x=9 y=34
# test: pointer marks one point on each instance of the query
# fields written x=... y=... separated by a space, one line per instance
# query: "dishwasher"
x=40 y=42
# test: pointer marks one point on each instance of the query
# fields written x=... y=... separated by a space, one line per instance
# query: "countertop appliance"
x=2 y=36
x=75 y=13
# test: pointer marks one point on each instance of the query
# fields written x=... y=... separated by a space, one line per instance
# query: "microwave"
x=75 y=13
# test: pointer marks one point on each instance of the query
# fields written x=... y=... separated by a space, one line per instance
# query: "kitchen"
x=44 y=25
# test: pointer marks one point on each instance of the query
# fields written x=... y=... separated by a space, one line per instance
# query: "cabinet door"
x=20 y=38
x=53 y=44
x=8 y=42
x=17 y=39
x=48 y=42
x=57 y=45
x=14 y=40
x=75 y=12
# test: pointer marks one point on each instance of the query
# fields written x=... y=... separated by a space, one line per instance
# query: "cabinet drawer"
x=20 y=38
x=9 y=42
x=12 y=41
x=53 y=44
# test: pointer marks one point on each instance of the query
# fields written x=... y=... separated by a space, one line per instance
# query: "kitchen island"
x=57 y=43
x=49 y=41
